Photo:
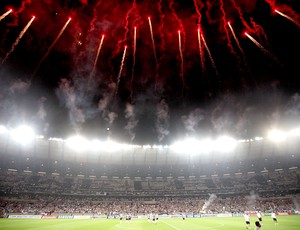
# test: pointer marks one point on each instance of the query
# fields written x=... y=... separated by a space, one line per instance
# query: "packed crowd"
x=49 y=183
x=74 y=205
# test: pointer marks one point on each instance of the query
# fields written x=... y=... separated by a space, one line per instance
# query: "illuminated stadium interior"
x=162 y=107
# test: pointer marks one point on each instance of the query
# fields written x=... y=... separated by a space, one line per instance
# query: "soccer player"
x=257 y=225
x=247 y=220
x=273 y=215
x=259 y=216
x=121 y=217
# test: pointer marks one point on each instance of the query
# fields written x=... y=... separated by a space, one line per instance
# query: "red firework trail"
x=18 y=39
x=50 y=48
x=97 y=56
x=181 y=28
x=238 y=43
x=120 y=72
x=181 y=58
x=241 y=16
x=225 y=28
x=201 y=51
x=129 y=12
x=154 y=50
x=293 y=16
x=258 y=29
x=263 y=49
x=92 y=26
x=287 y=17
x=210 y=56
x=198 y=7
x=133 y=63
x=5 y=14
x=162 y=23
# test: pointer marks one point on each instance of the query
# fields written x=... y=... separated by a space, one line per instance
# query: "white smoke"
x=192 y=120
x=132 y=122
x=76 y=114
x=41 y=114
x=19 y=85
x=162 y=121
x=211 y=199
x=251 y=201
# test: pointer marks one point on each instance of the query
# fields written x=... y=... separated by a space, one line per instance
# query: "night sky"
x=166 y=84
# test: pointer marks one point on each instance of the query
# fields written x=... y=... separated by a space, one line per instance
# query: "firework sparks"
x=133 y=63
x=120 y=72
x=263 y=49
x=238 y=43
x=18 y=39
x=210 y=55
x=201 y=52
x=225 y=28
x=286 y=16
x=154 y=50
x=50 y=48
x=97 y=56
x=5 y=14
x=181 y=57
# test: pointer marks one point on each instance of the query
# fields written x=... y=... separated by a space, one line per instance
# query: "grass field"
x=284 y=223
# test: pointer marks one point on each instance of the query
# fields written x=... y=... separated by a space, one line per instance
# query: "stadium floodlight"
x=95 y=145
x=23 y=134
x=3 y=129
x=188 y=146
x=110 y=146
x=277 y=135
x=225 y=144
x=295 y=132
x=77 y=143
x=206 y=146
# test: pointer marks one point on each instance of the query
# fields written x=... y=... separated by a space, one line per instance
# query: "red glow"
x=10 y=10
x=246 y=33
x=125 y=47
x=33 y=16
x=70 y=18
x=228 y=22
x=148 y=17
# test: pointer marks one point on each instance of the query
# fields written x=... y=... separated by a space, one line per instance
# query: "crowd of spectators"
x=49 y=183
x=81 y=205
x=27 y=193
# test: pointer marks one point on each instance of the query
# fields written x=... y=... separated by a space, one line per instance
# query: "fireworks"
x=160 y=56
x=5 y=14
x=18 y=39
x=263 y=49
x=97 y=56
x=51 y=47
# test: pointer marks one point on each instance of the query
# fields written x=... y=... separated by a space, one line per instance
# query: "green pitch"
x=284 y=223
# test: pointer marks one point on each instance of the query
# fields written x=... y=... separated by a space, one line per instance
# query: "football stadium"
x=139 y=114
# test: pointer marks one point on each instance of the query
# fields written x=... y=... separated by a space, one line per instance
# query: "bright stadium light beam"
x=3 y=129
x=277 y=135
x=225 y=144
x=23 y=134
x=110 y=146
x=77 y=143
x=295 y=132
x=188 y=146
